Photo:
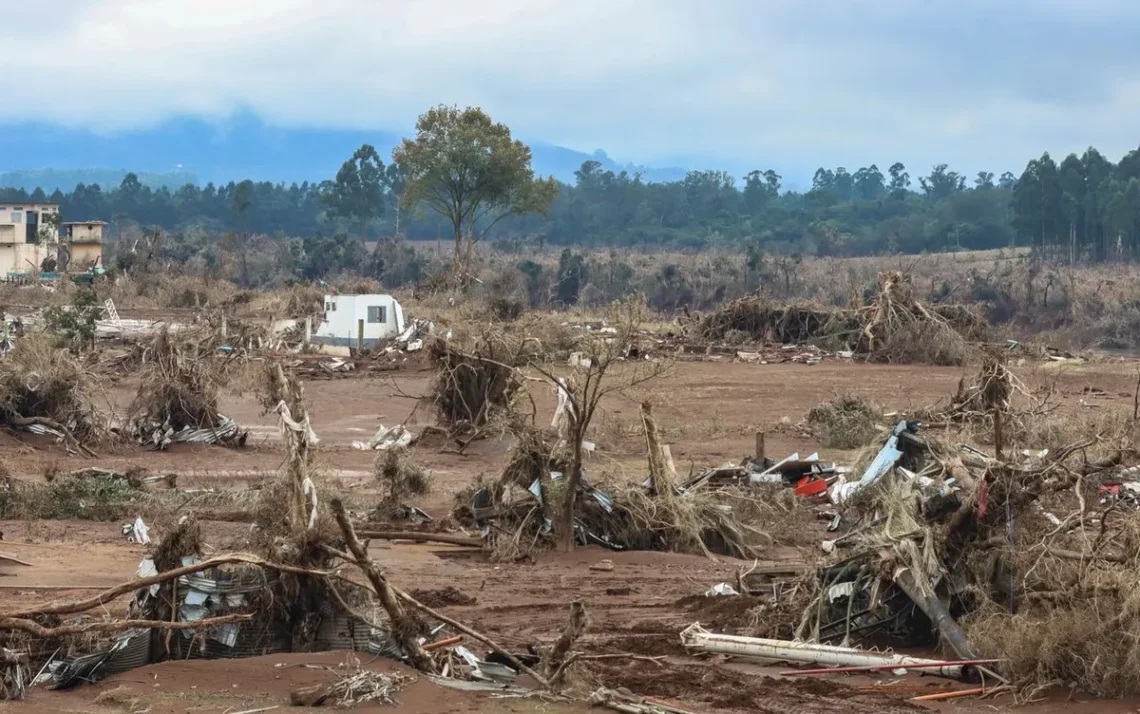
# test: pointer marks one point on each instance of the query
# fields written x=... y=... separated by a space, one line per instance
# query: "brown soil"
x=708 y=412
x=443 y=597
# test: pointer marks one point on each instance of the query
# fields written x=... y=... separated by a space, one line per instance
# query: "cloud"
x=744 y=83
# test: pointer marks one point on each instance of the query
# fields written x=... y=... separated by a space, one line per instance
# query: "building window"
x=377 y=313
x=17 y=217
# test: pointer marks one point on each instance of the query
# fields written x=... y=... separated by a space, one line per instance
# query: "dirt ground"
x=709 y=413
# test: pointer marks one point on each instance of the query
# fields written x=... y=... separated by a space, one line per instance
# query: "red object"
x=983 y=497
x=807 y=486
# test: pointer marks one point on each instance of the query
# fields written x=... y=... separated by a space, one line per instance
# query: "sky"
x=740 y=83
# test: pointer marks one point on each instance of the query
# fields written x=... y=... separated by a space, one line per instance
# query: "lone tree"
x=468 y=169
x=358 y=193
x=602 y=370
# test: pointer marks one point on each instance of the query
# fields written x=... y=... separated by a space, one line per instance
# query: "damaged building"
x=33 y=239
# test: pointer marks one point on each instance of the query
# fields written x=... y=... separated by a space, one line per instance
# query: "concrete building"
x=359 y=319
x=28 y=235
x=81 y=245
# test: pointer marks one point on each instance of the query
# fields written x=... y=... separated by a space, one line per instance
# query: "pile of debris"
x=895 y=326
x=45 y=390
x=1002 y=557
x=708 y=513
x=472 y=389
x=177 y=401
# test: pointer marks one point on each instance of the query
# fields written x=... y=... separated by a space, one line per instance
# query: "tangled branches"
x=46 y=386
x=182 y=374
x=898 y=327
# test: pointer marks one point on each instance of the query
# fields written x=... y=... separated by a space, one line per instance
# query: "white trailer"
x=359 y=320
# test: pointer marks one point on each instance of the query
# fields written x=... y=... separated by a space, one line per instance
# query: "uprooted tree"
x=469 y=170
x=182 y=374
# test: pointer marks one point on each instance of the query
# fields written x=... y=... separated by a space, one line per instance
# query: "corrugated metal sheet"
x=343 y=632
x=255 y=638
x=134 y=654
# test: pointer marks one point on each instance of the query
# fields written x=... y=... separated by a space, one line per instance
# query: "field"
x=768 y=364
x=711 y=411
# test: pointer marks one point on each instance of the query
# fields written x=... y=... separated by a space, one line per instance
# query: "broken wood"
x=940 y=696
x=424 y=538
x=473 y=634
x=556 y=661
x=68 y=437
x=440 y=644
x=5 y=558
x=403 y=627
x=71 y=608
x=658 y=465
x=34 y=628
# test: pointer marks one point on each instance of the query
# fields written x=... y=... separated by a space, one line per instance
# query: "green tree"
x=358 y=192
x=469 y=170
x=941 y=184
x=571 y=276
x=869 y=183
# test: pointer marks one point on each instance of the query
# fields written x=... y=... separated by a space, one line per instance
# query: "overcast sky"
x=744 y=82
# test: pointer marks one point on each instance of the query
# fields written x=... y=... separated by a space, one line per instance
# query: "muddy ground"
x=709 y=413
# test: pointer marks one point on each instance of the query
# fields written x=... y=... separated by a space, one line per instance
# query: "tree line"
x=463 y=178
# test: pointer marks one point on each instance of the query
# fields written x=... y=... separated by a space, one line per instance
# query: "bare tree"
x=603 y=366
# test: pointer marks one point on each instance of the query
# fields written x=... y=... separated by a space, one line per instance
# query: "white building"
x=359 y=319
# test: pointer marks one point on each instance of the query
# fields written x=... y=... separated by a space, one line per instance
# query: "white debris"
x=137 y=532
x=386 y=438
x=721 y=589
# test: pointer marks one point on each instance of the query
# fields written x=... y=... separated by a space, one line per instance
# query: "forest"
x=1084 y=208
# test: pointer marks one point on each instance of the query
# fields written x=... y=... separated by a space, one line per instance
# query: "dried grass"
x=41 y=381
x=399 y=479
x=182 y=373
x=846 y=422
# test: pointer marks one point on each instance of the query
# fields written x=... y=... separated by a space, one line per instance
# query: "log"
x=34 y=628
x=403 y=628
x=424 y=537
x=71 y=608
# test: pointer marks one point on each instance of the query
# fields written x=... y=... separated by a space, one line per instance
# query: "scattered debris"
x=357 y=686
x=385 y=438
x=603 y=566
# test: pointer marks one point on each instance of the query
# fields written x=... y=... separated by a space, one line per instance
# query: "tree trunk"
x=458 y=225
x=570 y=498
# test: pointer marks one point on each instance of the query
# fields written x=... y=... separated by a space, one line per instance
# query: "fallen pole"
x=948 y=695
x=441 y=644
x=937 y=612
x=697 y=638
x=879 y=667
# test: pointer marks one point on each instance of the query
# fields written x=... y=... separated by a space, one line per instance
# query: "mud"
x=443 y=597
x=709 y=414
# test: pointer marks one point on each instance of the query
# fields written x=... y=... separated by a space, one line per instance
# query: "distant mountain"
x=193 y=150
x=67 y=179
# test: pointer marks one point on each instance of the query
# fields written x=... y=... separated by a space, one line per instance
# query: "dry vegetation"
x=1037 y=564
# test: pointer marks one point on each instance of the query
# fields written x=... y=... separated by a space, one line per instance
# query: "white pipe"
x=698 y=639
